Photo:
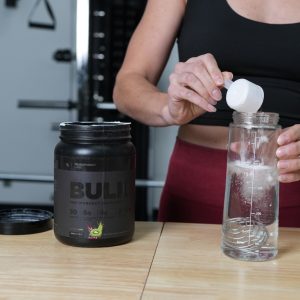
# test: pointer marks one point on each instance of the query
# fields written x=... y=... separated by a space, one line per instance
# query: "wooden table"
x=164 y=261
x=189 y=264
x=38 y=266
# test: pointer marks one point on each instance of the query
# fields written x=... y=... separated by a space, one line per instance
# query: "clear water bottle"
x=250 y=218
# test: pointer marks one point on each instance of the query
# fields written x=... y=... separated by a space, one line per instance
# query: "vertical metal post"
x=82 y=58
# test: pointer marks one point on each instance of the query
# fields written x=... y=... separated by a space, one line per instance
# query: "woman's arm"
x=135 y=92
x=194 y=85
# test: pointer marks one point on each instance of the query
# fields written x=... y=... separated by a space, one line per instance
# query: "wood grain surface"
x=182 y=261
x=189 y=264
x=37 y=266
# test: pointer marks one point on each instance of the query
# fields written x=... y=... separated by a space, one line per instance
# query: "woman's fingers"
x=190 y=81
x=288 y=154
x=227 y=75
x=209 y=62
x=289 y=135
x=289 y=150
x=289 y=165
x=210 y=86
x=201 y=70
x=289 y=177
x=179 y=93
x=198 y=78
x=195 y=88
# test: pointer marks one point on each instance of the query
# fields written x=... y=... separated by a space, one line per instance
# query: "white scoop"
x=244 y=95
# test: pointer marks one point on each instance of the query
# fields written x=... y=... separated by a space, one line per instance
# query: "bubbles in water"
x=252 y=191
x=256 y=177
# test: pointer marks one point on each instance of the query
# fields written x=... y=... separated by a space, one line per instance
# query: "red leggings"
x=195 y=186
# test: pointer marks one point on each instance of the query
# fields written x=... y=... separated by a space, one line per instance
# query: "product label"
x=94 y=205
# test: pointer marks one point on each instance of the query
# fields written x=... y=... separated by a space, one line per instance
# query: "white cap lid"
x=244 y=95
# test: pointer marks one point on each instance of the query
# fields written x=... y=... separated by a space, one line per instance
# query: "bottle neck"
x=264 y=119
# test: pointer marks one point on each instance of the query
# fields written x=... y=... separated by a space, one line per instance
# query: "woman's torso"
x=254 y=39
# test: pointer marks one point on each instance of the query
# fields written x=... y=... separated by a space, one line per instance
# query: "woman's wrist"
x=168 y=120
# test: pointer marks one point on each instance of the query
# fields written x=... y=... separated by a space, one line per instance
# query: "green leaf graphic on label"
x=95 y=233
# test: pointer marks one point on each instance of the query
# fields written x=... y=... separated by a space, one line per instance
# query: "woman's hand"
x=194 y=89
x=288 y=154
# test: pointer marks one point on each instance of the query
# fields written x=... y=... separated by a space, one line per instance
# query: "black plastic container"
x=94 y=184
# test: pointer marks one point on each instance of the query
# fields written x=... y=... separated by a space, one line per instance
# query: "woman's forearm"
x=136 y=97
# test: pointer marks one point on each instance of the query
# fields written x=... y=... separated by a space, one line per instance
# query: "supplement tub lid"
x=24 y=221
x=94 y=131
